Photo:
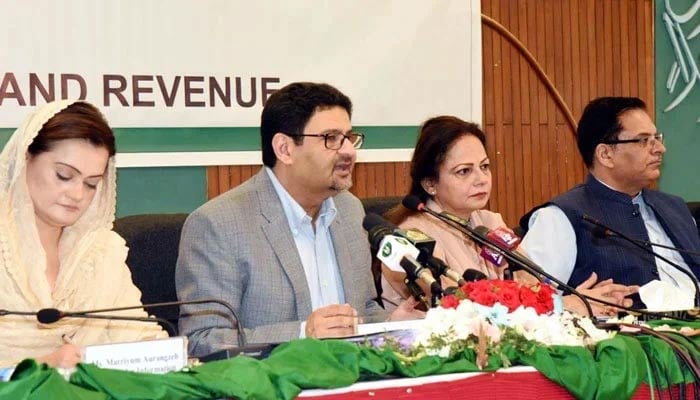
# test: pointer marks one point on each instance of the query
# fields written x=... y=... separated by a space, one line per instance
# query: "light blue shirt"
x=551 y=243
x=315 y=247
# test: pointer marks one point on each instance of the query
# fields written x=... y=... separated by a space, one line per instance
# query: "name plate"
x=156 y=356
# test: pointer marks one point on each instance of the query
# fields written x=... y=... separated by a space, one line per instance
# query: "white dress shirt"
x=315 y=247
x=551 y=243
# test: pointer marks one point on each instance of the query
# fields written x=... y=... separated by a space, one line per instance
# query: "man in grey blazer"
x=286 y=248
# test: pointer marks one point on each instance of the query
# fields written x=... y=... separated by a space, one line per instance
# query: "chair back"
x=380 y=205
x=153 y=241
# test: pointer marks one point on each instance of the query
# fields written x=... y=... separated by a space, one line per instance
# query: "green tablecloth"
x=613 y=370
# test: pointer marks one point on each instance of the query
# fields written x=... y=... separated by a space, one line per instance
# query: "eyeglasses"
x=334 y=140
x=644 y=139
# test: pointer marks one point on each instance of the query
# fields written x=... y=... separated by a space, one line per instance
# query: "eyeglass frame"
x=325 y=136
x=657 y=136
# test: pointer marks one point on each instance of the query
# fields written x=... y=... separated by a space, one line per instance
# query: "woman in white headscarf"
x=57 y=247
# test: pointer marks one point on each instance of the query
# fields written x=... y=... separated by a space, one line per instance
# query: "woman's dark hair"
x=79 y=120
x=437 y=135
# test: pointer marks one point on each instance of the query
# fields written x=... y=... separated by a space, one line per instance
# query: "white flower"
x=444 y=330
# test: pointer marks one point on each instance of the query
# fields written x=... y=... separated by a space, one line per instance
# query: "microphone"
x=51 y=315
x=602 y=233
x=521 y=260
x=486 y=253
x=479 y=236
x=417 y=294
x=397 y=253
x=377 y=225
x=412 y=202
x=504 y=237
x=438 y=267
x=377 y=228
x=626 y=238
x=414 y=270
x=473 y=275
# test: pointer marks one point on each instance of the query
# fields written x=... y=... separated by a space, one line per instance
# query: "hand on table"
x=335 y=320
x=407 y=311
x=67 y=356
x=604 y=290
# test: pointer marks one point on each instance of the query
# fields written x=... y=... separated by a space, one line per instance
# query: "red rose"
x=509 y=298
x=545 y=303
x=528 y=298
x=449 y=301
x=467 y=288
x=483 y=294
x=509 y=285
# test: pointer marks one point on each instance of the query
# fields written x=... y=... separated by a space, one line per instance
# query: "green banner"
x=154 y=140
x=678 y=94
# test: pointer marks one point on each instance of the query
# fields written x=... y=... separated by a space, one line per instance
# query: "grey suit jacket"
x=239 y=248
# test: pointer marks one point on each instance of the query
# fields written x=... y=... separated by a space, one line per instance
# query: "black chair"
x=153 y=241
x=380 y=205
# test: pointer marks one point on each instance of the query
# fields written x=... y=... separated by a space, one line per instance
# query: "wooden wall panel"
x=588 y=48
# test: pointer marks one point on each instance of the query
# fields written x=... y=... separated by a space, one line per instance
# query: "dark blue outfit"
x=613 y=257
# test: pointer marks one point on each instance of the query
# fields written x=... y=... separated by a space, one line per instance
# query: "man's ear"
x=604 y=153
x=283 y=147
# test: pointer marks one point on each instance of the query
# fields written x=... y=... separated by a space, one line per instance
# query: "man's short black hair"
x=600 y=122
x=289 y=109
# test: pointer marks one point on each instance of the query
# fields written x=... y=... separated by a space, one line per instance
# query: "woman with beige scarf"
x=57 y=247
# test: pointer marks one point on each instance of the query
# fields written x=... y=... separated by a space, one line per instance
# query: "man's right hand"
x=605 y=290
x=335 y=320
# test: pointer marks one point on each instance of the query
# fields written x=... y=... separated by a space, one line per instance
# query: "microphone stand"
x=649 y=251
x=164 y=322
x=51 y=315
x=413 y=203
x=417 y=293
x=241 y=334
x=663 y=246
x=602 y=232
x=527 y=265
x=7 y=312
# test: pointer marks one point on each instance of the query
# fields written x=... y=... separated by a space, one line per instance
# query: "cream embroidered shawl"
x=92 y=274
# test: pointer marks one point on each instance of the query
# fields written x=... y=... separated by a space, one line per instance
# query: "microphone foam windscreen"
x=48 y=315
x=377 y=228
x=482 y=230
x=473 y=275
x=412 y=202
x=372 y=220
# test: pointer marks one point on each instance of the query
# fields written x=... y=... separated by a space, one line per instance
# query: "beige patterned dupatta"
x=92 y=272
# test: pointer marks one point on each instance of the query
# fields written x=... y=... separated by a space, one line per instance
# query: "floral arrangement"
x=508 y=293
x=484 y=315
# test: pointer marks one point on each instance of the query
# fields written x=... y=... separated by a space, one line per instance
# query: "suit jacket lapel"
x=279 y=235
x=341 y=236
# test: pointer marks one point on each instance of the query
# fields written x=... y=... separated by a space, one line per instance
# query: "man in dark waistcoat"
x=623 y=150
